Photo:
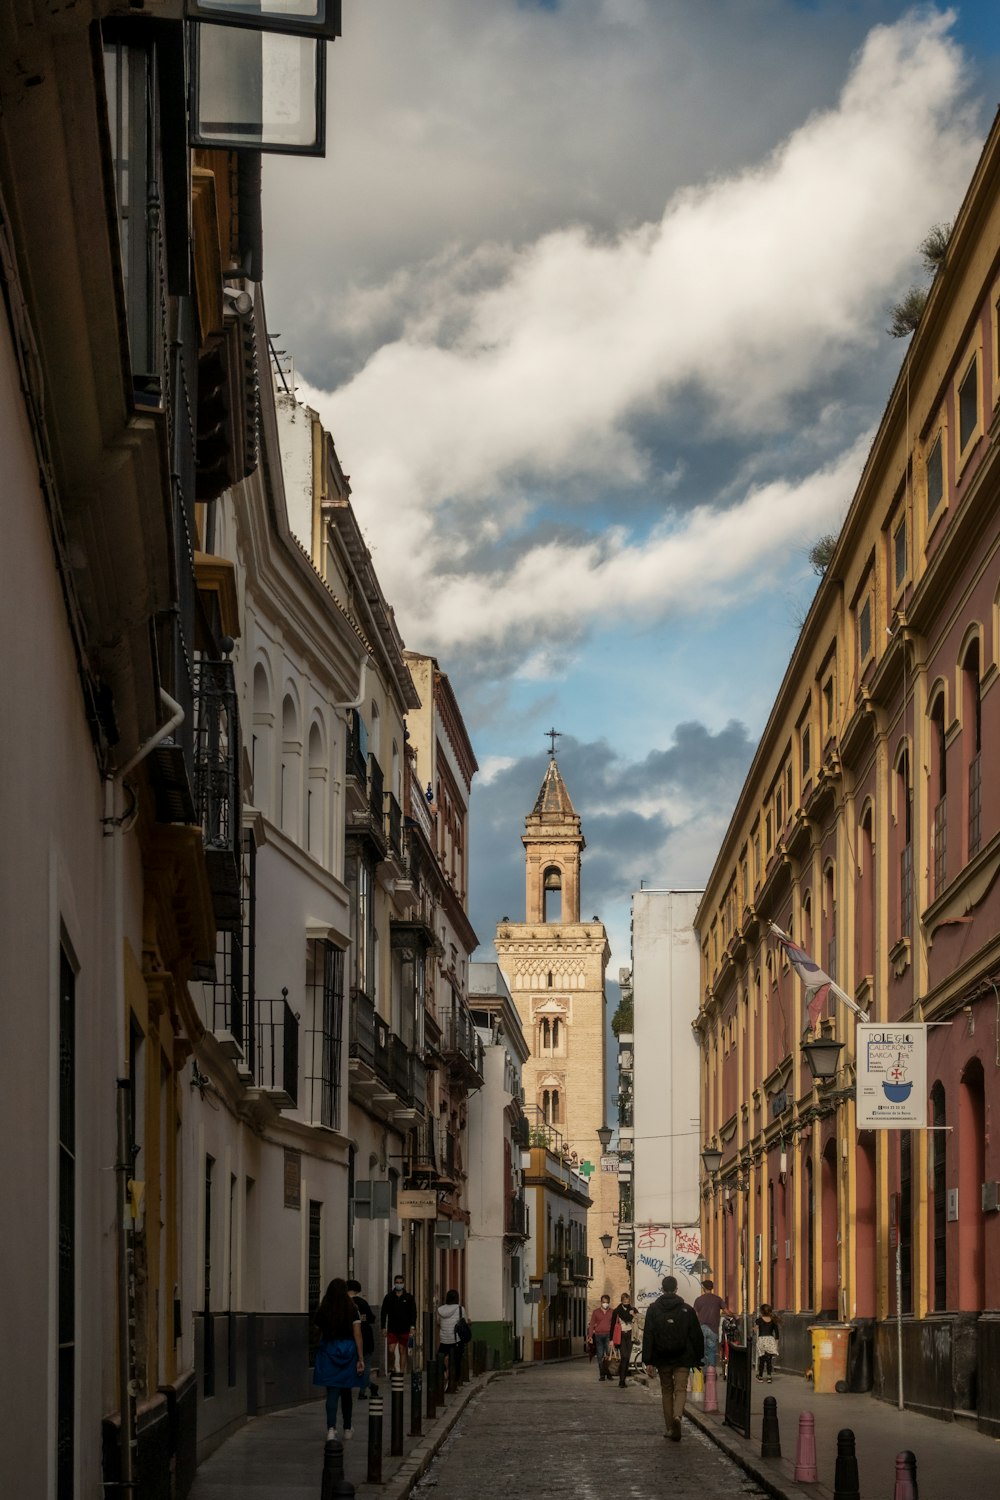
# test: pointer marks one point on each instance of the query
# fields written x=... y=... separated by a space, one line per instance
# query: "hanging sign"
x=417 y=1205
x=892 y=1077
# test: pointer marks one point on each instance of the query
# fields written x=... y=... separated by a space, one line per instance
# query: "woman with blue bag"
x=339 y=1358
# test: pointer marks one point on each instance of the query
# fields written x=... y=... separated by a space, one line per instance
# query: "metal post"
x=431 y=1383
x=770 y=1444
x=416 y=1403
x=375 y=1407
x=124 y=1168
x=334 y=1483
x=899 y=1318
x=846 y=1485
x=396 y=1414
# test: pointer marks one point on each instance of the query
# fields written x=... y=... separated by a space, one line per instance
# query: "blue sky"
x=592 y=296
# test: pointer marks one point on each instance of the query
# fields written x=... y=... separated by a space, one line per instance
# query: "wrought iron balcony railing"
x=394 y=824
x=356 y=766
x=217 y=782
x=460 y=1039
x=276 y=1049
x=362 y=1039
x=516 y=1218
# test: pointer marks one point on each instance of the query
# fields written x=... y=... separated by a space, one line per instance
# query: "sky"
x=593 y=297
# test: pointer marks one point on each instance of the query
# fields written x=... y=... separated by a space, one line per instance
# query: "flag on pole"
x=817 y=986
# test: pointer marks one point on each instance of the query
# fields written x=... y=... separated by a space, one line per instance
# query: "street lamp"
x=606 y=1243
x=823 y=1057
x=711 y=1160
x=604 y=1135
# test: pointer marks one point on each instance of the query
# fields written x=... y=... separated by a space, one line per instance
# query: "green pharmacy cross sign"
x=585 y=1168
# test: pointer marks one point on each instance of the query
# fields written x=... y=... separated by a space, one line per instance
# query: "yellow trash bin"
x=830 y=1343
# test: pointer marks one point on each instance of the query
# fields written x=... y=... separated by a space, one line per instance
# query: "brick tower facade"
x=555 y=966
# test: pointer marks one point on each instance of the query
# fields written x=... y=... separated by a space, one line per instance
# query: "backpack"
x=463 y=1328
x=670 y=1333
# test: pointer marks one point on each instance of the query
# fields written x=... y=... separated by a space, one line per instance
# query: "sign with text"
x=414 y=1205
x=892 y=1077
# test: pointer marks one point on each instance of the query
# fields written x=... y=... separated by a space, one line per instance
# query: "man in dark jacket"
x=367 y=1338
x=672 y=1344
x=399 y=1324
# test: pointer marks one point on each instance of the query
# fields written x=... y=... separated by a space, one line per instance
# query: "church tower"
x=555 y=966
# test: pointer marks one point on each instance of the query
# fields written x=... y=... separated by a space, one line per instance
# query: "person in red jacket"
x=599 y=1330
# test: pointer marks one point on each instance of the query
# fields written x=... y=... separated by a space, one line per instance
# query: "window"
x=767 y=834
x=129 y=78
x=806 y=763
x=899 y=555
x=972 y=740
x=756 y=858
x=939 y=790
x=935 y=477
x=968 y=405
x=939 y=1140
x=779 y=820
x=788 y=786
x=865 y=629
x=904 y=808
x=828 y=704
x=324 y=1041
x=360 y=883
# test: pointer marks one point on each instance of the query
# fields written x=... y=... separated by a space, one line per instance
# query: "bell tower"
x=553 y=845
x=555 y=967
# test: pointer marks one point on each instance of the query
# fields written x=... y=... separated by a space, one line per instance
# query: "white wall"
x=666 y=1078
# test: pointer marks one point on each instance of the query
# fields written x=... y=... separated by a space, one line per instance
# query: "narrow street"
x=556 y=1431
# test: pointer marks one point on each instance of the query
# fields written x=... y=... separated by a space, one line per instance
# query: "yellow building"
x=555 y=965
x=867 y=830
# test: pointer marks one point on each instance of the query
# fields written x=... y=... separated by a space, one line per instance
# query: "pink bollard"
x=711 y=1395
x=906 y=1477
x=805 y=1452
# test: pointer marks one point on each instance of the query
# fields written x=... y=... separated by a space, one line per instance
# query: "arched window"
x=971 y=1175
x=261 y=754
x=316 y=821
x=555 y=1106
x=939 y=1146
x=555 y=1033
x=939 y=795
x=552 y=894
x=544 y=1033
x=904 y=843
x=290 y=790
x=865 y=910
x=972 y=744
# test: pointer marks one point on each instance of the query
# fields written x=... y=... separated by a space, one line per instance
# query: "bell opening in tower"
x=552 y=895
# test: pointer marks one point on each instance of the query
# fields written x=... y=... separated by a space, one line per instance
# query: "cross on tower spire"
x=553 y=735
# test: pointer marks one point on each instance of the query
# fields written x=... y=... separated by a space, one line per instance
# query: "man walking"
x=623 y=1317
x=367 y=1338
x=599 y=1329
x=708 y=1310
x=399 y=1324
x=672 y=1344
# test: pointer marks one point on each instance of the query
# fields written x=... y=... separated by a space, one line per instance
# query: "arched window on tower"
x=543 y=1032
x=552 y=894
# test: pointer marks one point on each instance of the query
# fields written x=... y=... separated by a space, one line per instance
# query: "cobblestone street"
x=556 y=1431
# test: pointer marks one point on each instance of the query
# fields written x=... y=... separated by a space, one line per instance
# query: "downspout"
x=114 y=828
x=362 y=689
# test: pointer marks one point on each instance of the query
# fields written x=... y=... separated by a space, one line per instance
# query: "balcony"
x=276 y=1051
x=581 y=1266
x=217 y=790
x=394 y=825
x=384 y=1070
x=362 y=1042
x=516 y=1219
x=365 y=796
x=461 y=1045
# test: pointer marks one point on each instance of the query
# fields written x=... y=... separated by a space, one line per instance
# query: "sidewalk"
x=949 y=1455
x=280 y=1456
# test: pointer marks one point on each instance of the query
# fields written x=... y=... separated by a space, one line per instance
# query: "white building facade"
x=665 y=1105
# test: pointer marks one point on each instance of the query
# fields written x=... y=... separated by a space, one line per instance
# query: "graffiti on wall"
x=664 y=1251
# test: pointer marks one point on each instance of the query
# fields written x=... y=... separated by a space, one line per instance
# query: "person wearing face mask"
x=621 y=1333
x=398 y=1323
x=599 y=1329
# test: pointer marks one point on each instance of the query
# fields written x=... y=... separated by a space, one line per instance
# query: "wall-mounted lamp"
x=823 y=1058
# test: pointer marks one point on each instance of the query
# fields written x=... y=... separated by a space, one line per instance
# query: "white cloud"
x=535 y=362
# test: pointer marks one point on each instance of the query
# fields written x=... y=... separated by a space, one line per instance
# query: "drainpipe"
x=362 y=689
x=114 y=828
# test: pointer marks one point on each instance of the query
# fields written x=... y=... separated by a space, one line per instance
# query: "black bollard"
x=431 y=1385
x=770 y=1440
x=846 y=1484
x=335 y=1486
x=375 y=1405
x=396 y=1414
x=416 y=1402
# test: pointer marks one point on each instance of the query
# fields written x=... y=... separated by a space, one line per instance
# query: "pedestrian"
x=708 y=1310
x=599 y=1330
x=729 y=1331
x=367 y=1338
x=622 y=1319
x=766 y=1327
x=339 y=1358
x=672 y=1344
x=451 y=1321
x=399 y=1323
